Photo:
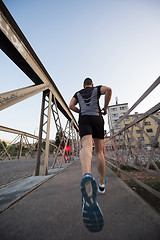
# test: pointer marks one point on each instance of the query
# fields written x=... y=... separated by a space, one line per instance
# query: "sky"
x=114 y=42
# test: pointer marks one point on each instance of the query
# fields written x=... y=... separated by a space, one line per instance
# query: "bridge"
x=45 y=202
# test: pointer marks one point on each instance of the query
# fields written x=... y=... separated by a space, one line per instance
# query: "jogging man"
x=91 y=125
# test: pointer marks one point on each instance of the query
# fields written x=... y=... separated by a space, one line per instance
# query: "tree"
x=1 y=145
x=59 y=136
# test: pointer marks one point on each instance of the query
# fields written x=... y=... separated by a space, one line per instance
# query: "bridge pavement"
x=53 y=211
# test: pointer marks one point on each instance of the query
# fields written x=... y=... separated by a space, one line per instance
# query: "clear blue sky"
x=114 y=42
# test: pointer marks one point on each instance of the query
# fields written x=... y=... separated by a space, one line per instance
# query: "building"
x=150 y=129
x=114 y=113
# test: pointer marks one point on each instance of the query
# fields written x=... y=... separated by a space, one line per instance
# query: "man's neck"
x=88 y=86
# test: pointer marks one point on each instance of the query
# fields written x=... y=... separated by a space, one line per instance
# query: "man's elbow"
x=71 y=106
x=110 y=91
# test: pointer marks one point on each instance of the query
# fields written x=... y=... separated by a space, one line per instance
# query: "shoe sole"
x=91 y=213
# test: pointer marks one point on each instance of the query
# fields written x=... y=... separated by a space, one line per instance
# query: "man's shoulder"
x=85 y=90
x=75 y=95
x=99 y=86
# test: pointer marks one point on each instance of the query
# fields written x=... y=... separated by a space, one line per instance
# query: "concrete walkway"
x=53 y=211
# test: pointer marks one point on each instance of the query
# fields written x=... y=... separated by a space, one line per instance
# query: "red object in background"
x=67 y=148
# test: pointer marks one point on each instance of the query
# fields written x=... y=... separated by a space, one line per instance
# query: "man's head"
x=88 y=82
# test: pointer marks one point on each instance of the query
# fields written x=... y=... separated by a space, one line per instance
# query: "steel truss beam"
x=138 y=158
x=10 y=98
x=25 y=137
x=56 y=117
x=61 y=149
x=44 y=122
x=146 y=93
x=145 y=115
x=16 y=46
x=11 y=130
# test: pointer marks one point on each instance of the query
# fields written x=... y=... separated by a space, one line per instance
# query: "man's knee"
x=98 y=148
x=99 y=145
x=86 y=142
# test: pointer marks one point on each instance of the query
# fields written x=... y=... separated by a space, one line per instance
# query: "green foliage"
x=59 y=135
x=11 y=150
x=1 y=145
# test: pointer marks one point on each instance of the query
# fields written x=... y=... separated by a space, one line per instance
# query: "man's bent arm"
x=72 y=105
x=108 y=93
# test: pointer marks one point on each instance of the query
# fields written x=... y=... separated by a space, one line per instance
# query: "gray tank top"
x=88 y=99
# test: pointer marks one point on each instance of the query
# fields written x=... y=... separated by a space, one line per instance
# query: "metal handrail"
x=21 y=52
x=119 y=146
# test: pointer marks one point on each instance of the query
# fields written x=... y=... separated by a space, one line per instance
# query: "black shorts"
x=93 y=125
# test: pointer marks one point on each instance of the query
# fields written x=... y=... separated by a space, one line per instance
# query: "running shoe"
x=101 y=188
x=91 y=213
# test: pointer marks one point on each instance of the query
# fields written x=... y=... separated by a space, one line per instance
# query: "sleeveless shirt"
x=88 y=99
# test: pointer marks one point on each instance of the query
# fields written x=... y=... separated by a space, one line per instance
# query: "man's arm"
x=108 y=93
x=72 y=105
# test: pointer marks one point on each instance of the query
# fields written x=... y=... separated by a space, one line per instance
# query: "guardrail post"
x=20 y=147
x=47 y=137
x=40 y=137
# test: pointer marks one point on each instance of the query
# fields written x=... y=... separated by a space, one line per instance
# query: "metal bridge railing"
x=126 y=147
x=14 y=44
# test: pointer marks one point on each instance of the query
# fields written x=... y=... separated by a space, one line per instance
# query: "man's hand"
x=104 y=111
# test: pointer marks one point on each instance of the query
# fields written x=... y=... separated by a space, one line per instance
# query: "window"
x=118 y=127
x=126 y=119
x=123 y=108
x=156 y=122
x=156 y=115
x=115 y=115
x=147 y=123
x=113 y=109
x=138 y=131
x=114 y=121
x=141 y=140
x=149 y=130
x=135 y=117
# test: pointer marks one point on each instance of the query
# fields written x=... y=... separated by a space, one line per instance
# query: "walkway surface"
x=53 y=211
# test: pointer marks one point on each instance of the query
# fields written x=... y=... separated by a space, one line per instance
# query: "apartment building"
x=150 y=129
x=114 y=113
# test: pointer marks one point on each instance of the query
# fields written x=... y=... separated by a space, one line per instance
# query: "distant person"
x=91 y=125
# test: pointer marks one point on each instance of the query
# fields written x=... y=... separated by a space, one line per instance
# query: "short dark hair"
x=88 y=81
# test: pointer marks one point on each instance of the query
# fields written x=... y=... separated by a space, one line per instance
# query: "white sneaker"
x=101 y=188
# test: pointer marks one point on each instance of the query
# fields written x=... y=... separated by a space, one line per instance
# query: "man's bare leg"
x=86 y=153
x=91 y=213
x=100 y=160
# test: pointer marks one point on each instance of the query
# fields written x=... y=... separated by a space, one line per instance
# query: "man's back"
x=88 y=99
